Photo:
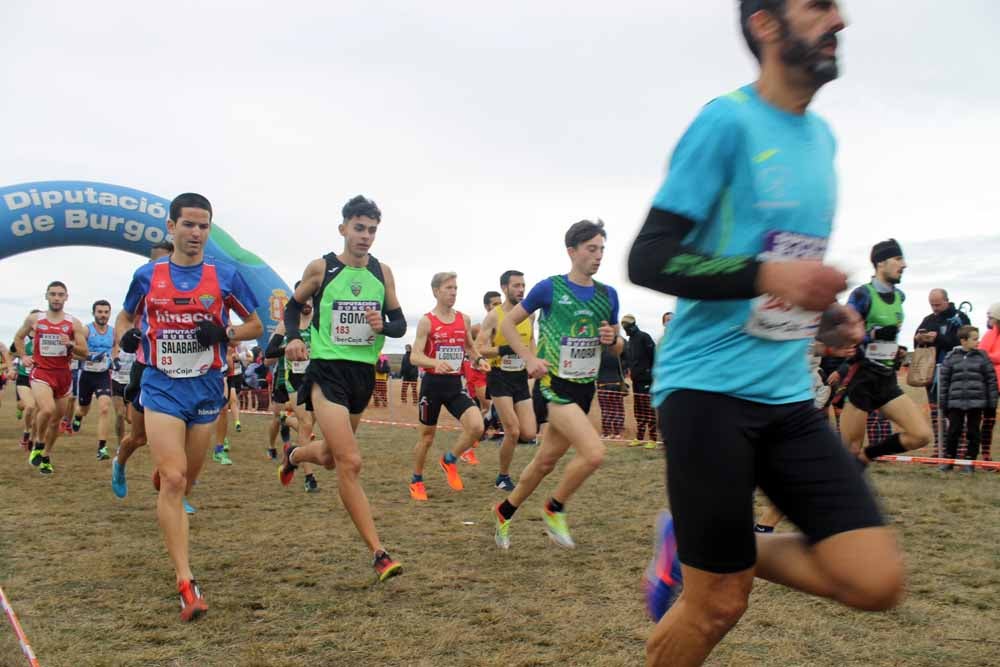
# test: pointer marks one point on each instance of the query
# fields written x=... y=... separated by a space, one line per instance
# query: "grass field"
x=289 y=582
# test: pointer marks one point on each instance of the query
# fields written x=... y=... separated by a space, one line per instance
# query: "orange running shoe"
x=418 y=491
x=469 y=456
x=451 y=472
x=287 y=470
x=192 y=602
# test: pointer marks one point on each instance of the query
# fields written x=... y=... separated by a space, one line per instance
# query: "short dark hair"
x=965 y=331
x=507 y=275
x=99 y=302
x=584 y=231
x=56 y=283
x=750 y=7
x=489 y=296
x=360 y=206
x=189 y=200
x=165 y=244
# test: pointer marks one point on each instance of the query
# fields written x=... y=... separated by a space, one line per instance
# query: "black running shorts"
x=869 y=389
x=442 y=390
x=117 y=389
x=134 y=386
x=279 y=394
x=508 y=383
x=561 y=392
x=23 y=381
x=720 y=448
x=93 y=384
x=347 y=383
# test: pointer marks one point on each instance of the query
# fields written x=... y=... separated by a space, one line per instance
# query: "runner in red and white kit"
x=443 y=339
x=58 y=338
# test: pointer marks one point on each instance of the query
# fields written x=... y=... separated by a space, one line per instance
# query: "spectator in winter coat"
x=940 y=331
x=409 y=373
x=990 y=344
x=968 y=389
x=638 y=357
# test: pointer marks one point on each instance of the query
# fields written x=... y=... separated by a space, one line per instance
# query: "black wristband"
x=395 y=324
x=293 y=311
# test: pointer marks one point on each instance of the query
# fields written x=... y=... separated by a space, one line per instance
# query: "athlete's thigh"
x=526 y=417
x=711 y=477
x=42 y=393
x=810 y=476
x=197 y=443
x=471 y=419
x=336 y=423
x=573 y=425
x=905 y=413
x=852 y=423
x=167 y=440
x=25 y=396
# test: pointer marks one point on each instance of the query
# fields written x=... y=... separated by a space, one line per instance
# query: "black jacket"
x=639 y=354
x=946 y=325
x=968 y=381
x=407 y=370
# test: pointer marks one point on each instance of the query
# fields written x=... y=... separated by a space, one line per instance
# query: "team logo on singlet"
x=206 y=300
x=355 y=288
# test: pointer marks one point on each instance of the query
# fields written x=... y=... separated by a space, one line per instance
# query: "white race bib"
x=125 y=361
x=96 y=366
x=454 y=355
x=881 y=351
x=349 y=325
x=298 y=367
x=180 y=355
x=511 y=362
x=49 y=345
x=770 y=317
x=579 y=358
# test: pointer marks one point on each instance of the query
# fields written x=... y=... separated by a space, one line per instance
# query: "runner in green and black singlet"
x=354 y=307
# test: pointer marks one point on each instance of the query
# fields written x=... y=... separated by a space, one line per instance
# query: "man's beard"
x=795 y=51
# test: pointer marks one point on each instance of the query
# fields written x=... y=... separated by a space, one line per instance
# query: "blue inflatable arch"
x=50 y=214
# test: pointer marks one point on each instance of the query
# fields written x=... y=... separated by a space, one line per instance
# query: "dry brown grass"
x=289 y=582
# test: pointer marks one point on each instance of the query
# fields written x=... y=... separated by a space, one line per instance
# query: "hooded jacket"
x=946 y=324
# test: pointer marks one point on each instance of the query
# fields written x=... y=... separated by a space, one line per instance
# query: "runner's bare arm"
x=472 y=348
x=123 y=323
x=251 y=328
x=509 y=330
x=79 y=339
x=484 y=341
x=534 y=343
x=417 y=356
x=26 y=328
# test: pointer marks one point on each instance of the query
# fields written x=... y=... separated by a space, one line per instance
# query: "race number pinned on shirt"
x=299 y=367
x=96 y=366
x=50 y=346
x=349 y=325
x=453 y=354
x=772 y=318
x=511 y=362
x=881 y=351
x=579 y=358
x=125 y=361
x=180 y=355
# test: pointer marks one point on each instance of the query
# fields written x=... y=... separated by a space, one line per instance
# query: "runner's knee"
x=173 y=481
x=879 y=589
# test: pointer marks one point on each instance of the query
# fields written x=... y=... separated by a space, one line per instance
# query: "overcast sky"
x=482 y=132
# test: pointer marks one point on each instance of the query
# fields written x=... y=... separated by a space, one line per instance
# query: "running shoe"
x=65 y=428
x=650 y=444
x=502 y=533
x=385 y=566
x=239 y=427
x=102 y=454
x=20 y=413
x=312 y=486
x=77 y=424
x=25 y=442
x=45 y=467
x=118 y=482
x=192 y=602
x=225 y=444
x=469 y=456
x=451 y=472
x=556 y=528
x=504 y=483
x=418 y=491
x=663 y=580
x=223 y=458
x=188 y=509
x=35 y=457
x=286 y=470
x=272 y=453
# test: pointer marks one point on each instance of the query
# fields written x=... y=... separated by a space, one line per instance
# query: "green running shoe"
x=225 y=444
x=222 y=458
x=102 y=454
x=45 y=467
x=502 y=533
x=556 y=528
x=35 y=457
